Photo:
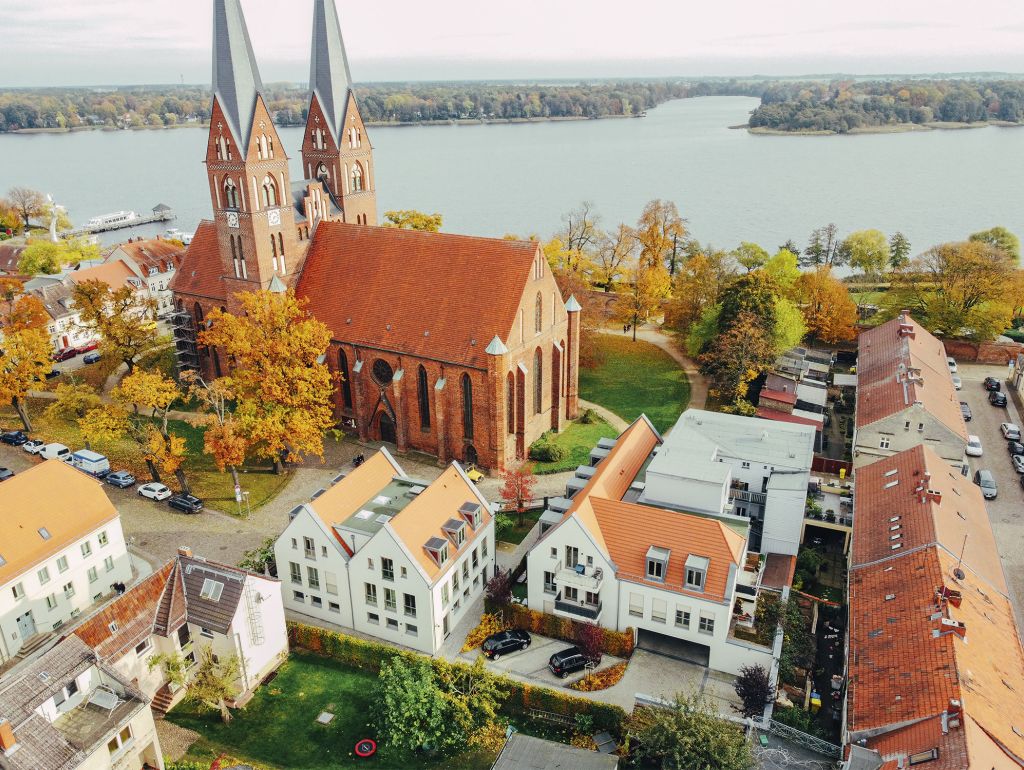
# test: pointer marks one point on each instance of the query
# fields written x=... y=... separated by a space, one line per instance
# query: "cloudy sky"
x=84 y=42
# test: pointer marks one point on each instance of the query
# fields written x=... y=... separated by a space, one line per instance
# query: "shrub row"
x=616 y=643
x=521 y=699
x=600 y=680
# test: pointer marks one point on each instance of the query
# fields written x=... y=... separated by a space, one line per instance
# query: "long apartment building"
x=389 y=555
x=936 y=667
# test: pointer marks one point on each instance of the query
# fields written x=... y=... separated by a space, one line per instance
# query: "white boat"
x=117 y=218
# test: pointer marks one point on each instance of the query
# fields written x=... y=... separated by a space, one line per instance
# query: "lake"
x=496 y=179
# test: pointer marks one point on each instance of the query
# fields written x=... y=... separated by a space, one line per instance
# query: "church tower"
x=335 y=147
x=247 y=167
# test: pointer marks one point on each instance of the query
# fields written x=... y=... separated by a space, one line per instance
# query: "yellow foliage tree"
x=639 y=297
x=410 y=219
x=223 y=439
x=826 y=304
x=122 y=318
x=25 y=347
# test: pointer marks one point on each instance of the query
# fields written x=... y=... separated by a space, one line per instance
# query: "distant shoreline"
x=898 y=128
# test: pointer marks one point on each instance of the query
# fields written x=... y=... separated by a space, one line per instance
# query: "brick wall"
x=983 y=352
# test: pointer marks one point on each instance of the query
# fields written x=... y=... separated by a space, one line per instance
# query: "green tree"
x=868 y=251
x=215 y=681
x=410 y=219
x=750 y=255
x=1001 y=238
x=899 y=251
x=688 y=734
x=697 y=285
x=783 y=268
x=790 y=326
x=823 y=248
x=409 y=709
x=754 y=293
x=46 y=258
x=260 y=559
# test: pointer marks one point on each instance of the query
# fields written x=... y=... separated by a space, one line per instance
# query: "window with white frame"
x=549 y=582
x=636 y=605
x=883 y=442
x=390 y=599
x=314 y=577
x=657 y=563
x=108 y=564
x=51 y=602
x=682 y=617
x=295 y=570
x=62 y=564
x=103 y=539
x=659 y=610
x=370 y=591
x=69 y=590
x=696 y=572
x=18 y=589
x=44 y=576
x=331 y=583
x=86 y=549
x=119 y=742
x=707 y=624
x=93 y=575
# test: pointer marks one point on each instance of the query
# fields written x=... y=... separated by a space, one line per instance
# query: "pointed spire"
x=236 y=80
x=329 y=77
x=497 y=347
x=571 y=305
x=277 y=286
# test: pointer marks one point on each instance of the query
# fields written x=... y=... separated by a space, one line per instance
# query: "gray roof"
x=748 y=438
x=214 y=615
x=524 y=752
x=236 y=79
x=329 y=77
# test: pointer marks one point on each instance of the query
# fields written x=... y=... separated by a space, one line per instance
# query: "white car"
x=55 y=452
x=1010 y=431
x=154 y=491
x=34 y=446
x=957 y=382
x=1018 y=463
x=951 y=364
x=973 y=447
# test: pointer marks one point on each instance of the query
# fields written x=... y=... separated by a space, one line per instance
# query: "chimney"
x=185 y=550
x=951 y=595
x=947 y=626
x=953 y=709
x=7 y=741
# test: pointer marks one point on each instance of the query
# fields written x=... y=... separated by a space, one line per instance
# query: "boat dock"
x=161 y=213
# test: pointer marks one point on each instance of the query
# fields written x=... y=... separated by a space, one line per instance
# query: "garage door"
x=670 y=647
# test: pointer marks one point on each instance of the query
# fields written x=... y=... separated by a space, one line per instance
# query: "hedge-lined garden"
x=616 y=643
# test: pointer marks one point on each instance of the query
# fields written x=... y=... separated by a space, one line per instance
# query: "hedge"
x=522 y=697
x=616 y=643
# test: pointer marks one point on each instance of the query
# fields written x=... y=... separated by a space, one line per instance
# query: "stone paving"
x=175 y=741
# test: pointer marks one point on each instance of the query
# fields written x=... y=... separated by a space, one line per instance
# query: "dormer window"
x=657 y=563
x=456 y=530
x=471 y=513
x=696 y=572
x=437 y=547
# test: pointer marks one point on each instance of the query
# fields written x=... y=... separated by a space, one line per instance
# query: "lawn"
x=516 y=533
x=633 y=378
x=278 y=728
x=578 y=438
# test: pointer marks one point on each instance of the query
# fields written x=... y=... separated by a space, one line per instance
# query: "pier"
x=161 y=213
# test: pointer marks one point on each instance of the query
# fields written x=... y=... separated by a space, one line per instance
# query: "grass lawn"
x=278 y=728
x=515 y=533
x=634 y=378
x=578 y=438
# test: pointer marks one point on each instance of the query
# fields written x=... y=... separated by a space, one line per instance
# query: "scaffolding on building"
x=185 y=344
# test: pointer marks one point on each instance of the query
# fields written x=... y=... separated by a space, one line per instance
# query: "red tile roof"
x=885 y=386
x=200 y=272
x=432 y=294
x=920 y=737
x=774 y=414
x=778 y=572
x=114 y=274
x=778 y=395
x=153 y=252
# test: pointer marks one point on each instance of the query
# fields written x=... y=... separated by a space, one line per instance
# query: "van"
x=987 y=482
x=55 y=452
x=91 y=462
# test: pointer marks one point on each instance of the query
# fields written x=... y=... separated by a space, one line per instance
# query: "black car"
x=52 y=373
x=14 y=437
x=568 y=661
x=185 y=503
x=6 y=473
x=504 y=642
x=120 y=479
x=996 y=398
x=965 y=410
x=992 y=383
x=1015 y=447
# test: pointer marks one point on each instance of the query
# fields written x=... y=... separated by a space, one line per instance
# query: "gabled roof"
x=897 y=369
x=152 y=252
x=329 y=76
x=200 y=273
x=67 y=502
x=236 y=78
x=432 y=294
x=115 y=274
x=215 y=614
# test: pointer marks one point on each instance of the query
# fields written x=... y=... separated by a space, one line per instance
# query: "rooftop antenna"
x=957 y=572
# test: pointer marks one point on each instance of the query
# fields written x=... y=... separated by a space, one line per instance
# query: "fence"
x=827 y=465
x=804 y=739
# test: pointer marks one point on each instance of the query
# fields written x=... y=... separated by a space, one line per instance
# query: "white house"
x=388 y=555
x=61 y=551
x=905 y=395
x=65 y=327
x=67 y=710
x=154 y=260
x=680 y=577
x=188 y=604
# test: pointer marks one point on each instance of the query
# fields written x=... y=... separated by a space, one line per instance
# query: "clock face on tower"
x=232 y=219
x=274 y=218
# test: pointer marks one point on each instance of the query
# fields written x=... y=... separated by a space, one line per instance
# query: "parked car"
x=987 y=482
x=120 y=479
x=1010 y=431
x=55 y=452
x=996 y=398
x=93 y=344
x=474 y=473
x=14 y=438
x=569 y=661
x=91 y=358
x=185 y=503
x=33 y=446
x=958 y=384
x=6 y=473
x=965 y=410
x=1018 y=463
x=951 y=363
x=65 y=354
x=155 y=491
x=973 y=448
x=504 y=642
x=52 y=373
x=992 y=383
x=91 y=462
x=1015 y=448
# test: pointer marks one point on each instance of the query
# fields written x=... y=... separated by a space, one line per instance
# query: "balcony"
x=581 y=577
x=744 y=496
x=578 y=609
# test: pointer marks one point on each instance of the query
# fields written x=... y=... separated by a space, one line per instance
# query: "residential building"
x=637 y=548
x=62 y=551
x=65 y=327
x=188 y=604
x=905 y=395
x=68 y=710
x=935 y=662
x=154 y=261
x=455 y=346
x=389 y=556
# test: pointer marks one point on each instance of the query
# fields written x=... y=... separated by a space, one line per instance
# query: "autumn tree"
x=580 y=234
x=25 y=347
x=737 y=355
x=29 y=204
x=517 y=489
x=499 y=588
x=697 y=285
x=410 y=219
x=868 y=251
x=640 y=295
x=74 y=401
x=1001 y=238
x=46 y=258
x=122 y=317
x=827 y=307
x=660 y=232
x=151 y=394
x=281 y=386
x=755 y=689
x=750 y=255
x=899 y=251
x=615 y=251
x=223 y=438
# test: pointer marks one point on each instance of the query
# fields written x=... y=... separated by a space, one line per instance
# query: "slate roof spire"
x=236 y=79
x=329 y=76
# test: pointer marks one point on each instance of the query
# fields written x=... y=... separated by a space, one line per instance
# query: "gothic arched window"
x=269 y=191
x=467 y=406
x=538 y=314
x=423 y=395
x=357 y=177
x=510 y=403
x=322 y=172
x=538 y=381
x=230 y=194
x=346 y=383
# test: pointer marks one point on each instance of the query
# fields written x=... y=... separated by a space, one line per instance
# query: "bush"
x=600 y=680
x=589 y=417
x=490 y=623
x=616 y=643
x=546 y=451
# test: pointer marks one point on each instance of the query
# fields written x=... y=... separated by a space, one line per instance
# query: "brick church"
x=457 y=346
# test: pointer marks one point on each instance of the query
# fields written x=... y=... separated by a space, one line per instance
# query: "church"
x=460 y=347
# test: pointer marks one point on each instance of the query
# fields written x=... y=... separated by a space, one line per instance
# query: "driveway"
x=1006 y=512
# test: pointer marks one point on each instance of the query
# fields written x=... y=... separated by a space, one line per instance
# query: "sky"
x=112 y=42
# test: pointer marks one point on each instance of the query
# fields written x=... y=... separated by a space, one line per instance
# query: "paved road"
x=1006 y=512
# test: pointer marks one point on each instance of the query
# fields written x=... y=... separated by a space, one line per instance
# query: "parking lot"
x=1006 y=512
